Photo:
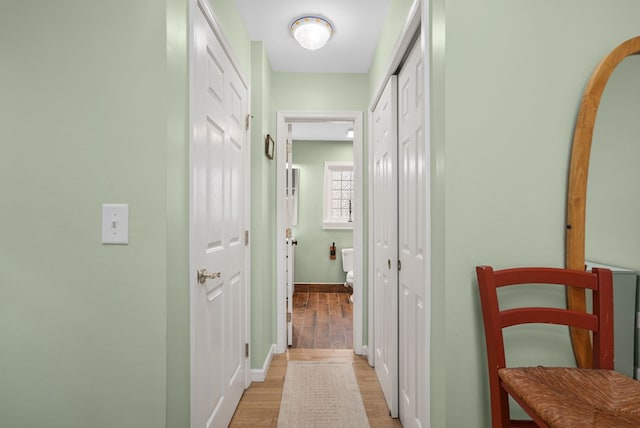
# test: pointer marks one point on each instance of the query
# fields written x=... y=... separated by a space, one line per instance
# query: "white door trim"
x=203 y=6
x=404 y=43
x=282 y=119
x=217 y=30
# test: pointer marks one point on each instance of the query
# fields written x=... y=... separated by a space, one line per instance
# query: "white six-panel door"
x=218 y=156
x=413 y=246
x=385 y=269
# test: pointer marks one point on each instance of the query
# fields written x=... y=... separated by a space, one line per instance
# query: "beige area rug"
x=321 y=394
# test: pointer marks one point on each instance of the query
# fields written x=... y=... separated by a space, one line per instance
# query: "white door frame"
x=194 y=7
x=282 y=119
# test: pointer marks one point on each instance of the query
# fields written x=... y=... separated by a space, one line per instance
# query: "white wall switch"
x=115 y=223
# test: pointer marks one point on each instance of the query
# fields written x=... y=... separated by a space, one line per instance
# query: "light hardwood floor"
x=260 y=404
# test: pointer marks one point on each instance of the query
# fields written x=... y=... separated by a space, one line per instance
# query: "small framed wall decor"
x=269 y=146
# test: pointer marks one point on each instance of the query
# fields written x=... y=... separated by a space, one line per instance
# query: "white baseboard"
x=259 y=375
x=365 y=350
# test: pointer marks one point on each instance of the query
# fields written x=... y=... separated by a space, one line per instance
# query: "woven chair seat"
x=572 y=397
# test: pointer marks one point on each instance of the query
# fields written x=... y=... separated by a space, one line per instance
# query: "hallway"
x=260 y=404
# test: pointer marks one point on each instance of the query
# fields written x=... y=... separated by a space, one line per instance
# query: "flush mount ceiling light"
x=311 y=32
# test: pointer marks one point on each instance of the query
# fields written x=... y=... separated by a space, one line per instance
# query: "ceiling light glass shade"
x=311 y=32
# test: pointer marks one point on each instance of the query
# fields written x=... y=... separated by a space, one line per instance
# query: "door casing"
x=283 y=118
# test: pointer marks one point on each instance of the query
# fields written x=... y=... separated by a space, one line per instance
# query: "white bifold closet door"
x=413 y=243
x=385 y=241
x=400 y=220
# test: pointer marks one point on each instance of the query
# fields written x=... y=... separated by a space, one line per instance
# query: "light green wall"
x=263 y=262
x=96 y=335
x=436 y=34
x=177 y=208
x=613 y=199
x=312 y=262
x=83 y=326
x=228 y=17
x=318 y=91
x=395 y=20
x=511 y=93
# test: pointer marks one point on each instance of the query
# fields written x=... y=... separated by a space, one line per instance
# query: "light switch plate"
x=115 y=223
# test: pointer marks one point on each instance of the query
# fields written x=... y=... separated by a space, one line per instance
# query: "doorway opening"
x=319 y=303
x=321 y=220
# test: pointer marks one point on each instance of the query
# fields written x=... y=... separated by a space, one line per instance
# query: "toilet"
x=347 y=266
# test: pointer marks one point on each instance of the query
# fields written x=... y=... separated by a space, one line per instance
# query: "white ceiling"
x=357 y=26
x=321 y=131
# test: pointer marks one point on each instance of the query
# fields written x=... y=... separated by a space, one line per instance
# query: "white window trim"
x=328 y=222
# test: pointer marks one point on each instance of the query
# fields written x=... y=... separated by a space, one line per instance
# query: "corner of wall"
x=259 y=375
x=178 y=345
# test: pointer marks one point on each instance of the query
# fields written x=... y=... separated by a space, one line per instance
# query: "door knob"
x=203 y=275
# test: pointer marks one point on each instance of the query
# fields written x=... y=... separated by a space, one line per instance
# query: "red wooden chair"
x=557 y=396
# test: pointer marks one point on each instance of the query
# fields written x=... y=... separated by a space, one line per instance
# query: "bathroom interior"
x=321 y=218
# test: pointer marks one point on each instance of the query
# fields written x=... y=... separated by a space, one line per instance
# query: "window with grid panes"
x=338 y=195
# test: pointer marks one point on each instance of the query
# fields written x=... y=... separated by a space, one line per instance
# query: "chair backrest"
x=600 y=321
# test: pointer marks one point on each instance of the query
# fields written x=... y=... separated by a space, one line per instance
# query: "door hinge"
x=247 y=121
x=246 y=237
x=246 y=350
x=399 y=265
x=288 y=316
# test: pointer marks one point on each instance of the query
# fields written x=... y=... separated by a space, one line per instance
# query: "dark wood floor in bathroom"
x=322 y=320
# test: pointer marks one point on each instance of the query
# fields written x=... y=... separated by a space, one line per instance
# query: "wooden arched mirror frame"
x=577 y=192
